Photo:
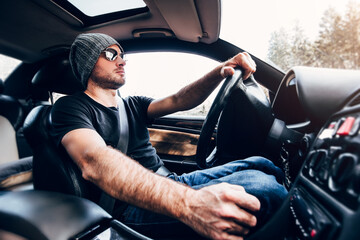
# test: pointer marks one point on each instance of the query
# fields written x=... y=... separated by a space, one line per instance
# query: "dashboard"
x=312 y=95
x=324 y=198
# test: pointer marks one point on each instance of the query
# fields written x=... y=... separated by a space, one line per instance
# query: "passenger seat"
x=11 y=117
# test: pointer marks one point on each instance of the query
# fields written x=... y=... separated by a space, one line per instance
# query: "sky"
x=250 y=26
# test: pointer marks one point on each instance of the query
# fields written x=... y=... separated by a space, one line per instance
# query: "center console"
x=324 y=200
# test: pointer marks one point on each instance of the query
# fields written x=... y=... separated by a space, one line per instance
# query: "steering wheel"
x=207 y=130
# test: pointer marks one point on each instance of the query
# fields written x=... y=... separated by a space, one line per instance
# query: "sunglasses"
x=111 y=54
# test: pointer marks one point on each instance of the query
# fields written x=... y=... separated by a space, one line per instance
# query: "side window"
x=160 y=74
x=7 y=65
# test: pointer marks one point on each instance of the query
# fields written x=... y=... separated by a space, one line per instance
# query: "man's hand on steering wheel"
x=244 y=66
x=242 y=60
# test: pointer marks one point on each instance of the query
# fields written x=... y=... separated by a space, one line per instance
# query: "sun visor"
x=187 y=23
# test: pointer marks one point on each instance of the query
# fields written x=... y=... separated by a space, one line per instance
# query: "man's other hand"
x=222 y=211
x=242 y=60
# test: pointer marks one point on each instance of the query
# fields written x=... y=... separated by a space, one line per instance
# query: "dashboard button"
x=346 y=127
x=313 y=233
x=337 y=125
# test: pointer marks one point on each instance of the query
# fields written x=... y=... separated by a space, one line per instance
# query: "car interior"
x=306 y=121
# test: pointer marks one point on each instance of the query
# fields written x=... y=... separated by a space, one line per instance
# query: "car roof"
x=32 y=30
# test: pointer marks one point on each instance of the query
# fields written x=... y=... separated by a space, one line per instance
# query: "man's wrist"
x=182 y=205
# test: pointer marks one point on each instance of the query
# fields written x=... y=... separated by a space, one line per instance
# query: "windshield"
x=286 y=33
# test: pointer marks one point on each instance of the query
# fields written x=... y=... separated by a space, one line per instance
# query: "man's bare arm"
x=195 y=93
x=214 y=211
x=115 y=173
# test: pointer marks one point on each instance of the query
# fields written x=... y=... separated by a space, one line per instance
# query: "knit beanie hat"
x=85 y=52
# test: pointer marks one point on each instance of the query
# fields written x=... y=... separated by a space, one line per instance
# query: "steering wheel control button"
x=346 y=127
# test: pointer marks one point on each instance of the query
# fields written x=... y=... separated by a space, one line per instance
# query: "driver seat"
x=53 y=170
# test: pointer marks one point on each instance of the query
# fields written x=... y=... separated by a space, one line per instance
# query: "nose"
x=120 y=61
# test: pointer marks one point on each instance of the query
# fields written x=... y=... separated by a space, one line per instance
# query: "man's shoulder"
x=70 y=100
x=138 y=100
x=70 y=105
x=138 y=106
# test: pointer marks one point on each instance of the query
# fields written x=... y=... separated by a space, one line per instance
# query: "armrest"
x=48 y=215
x=16 y=172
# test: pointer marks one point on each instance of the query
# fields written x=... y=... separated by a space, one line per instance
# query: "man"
x=86 y=125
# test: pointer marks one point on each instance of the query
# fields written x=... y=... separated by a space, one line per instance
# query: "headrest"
x=36 y=125
x=57 y=76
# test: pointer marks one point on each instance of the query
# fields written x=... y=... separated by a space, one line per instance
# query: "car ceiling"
x=32 y=30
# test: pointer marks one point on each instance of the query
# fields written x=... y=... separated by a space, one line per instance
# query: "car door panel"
x=175 y=139
x=170 y=142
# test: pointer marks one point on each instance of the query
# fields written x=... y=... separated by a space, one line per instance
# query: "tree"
x=289 y=49
x=301 y=53
x=328 y=48
x=337 y=44
x=279 y=49
x=351 y=32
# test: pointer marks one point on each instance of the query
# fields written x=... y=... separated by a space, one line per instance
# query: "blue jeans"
x=259 y=176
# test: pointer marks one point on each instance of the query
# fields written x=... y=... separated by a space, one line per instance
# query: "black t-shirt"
x=81 y=111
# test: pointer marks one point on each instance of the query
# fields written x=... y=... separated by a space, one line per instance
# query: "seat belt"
x=106 y=201
x=124 y=127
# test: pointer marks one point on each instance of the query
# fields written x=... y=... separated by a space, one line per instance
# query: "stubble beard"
x=107 y=81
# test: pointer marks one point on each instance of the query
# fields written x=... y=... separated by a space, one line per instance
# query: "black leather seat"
x=15 y=159
x=11 y=119
x=53 y=170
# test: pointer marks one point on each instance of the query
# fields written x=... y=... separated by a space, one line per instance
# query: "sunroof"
x=94 y=8
x=92 y=12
